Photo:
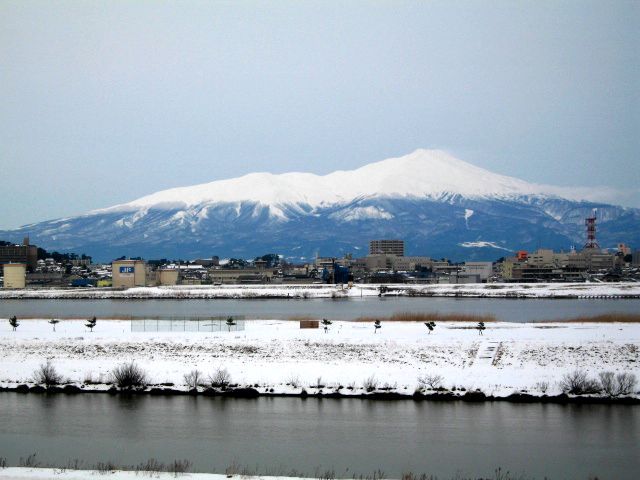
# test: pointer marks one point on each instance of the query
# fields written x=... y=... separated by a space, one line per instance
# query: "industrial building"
x=483 y=270
x=128 y=273
x=386 y=247
x=167 y=276
x=15 y=275
x=241 y=276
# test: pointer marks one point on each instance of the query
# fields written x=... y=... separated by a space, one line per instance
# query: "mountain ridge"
x=440 y=205
x=422 y=173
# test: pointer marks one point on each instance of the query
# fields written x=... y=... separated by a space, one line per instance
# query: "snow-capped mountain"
x=440 y=205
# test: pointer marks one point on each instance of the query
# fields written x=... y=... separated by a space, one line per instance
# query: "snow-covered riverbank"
x=279 y=357
x=23 y=473
x=482 y=290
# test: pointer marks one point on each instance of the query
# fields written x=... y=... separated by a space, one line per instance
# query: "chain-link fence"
x=187 y=324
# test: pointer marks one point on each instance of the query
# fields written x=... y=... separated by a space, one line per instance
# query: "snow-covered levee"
x=478 y=290
x=277 y=356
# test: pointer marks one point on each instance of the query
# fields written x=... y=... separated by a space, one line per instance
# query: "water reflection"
x=356 y=436
x=344 y=309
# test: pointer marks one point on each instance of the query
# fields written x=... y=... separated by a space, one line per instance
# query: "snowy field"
x=489 y=290
x=278 y=354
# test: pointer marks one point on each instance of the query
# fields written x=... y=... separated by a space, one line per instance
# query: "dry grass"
x=604 y=318
x=431 y=317
x=298 y=318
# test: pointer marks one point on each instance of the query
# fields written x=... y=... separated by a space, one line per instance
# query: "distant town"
x=27 y=266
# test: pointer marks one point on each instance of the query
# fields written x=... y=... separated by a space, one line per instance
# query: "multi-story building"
x=25 y=253
x=386 y=247
x=483 y=270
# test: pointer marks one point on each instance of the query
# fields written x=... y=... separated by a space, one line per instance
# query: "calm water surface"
x=343 y=309
x=276 y=435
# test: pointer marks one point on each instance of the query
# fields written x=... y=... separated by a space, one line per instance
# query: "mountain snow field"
x=439 y=205
x=278 y=355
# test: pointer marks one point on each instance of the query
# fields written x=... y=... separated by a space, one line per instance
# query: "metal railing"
x=187 y=324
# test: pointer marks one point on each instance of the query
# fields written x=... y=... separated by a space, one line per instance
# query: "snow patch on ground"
x=485 y=290
x=278 y=354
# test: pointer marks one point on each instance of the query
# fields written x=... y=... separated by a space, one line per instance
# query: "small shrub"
x=151 y=465
x=105 y=467
x=433 y=382
x=326 y=475
x=221 y=378
x=29 y=462
x=47 y=374
x=294 y=381
x=179 y=466
x=13 y=321
x=129 y=376
x=370 y=383
x=543 y=387
x=193 y=379
x=578 y=383
x=626 y=382
x=608 y=383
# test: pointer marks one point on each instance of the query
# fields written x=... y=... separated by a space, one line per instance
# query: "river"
x=278 y=435
x=509 y=310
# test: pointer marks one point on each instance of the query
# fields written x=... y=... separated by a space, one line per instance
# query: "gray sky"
x=103 y=102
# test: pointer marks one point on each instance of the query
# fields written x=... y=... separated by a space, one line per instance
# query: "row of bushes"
x=611 y=384
x=131 y=376
x=577 y=382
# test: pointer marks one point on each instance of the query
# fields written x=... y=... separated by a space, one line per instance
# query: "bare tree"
x=608 y=383
x=433 y=381
x=626 y=383
x=578 y=383
x=221 y=378
x=193 y=379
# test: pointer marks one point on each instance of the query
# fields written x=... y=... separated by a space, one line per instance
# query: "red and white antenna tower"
x=590 y=222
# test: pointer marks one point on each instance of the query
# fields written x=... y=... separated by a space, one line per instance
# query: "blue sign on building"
x=126 y=269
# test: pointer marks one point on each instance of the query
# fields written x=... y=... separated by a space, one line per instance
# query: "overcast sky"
x=103 y=102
